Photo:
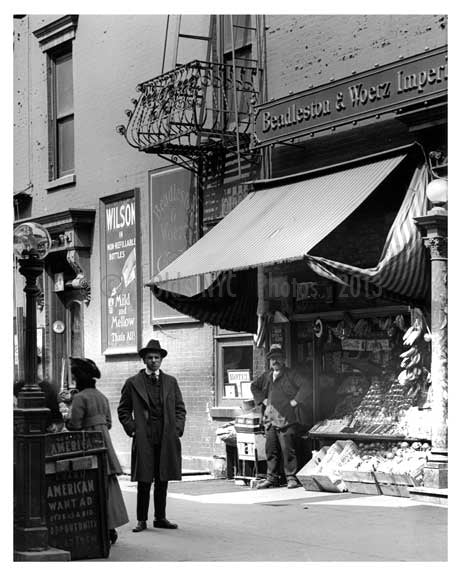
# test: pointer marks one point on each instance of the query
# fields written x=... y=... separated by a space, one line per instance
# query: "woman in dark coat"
x=91 y=411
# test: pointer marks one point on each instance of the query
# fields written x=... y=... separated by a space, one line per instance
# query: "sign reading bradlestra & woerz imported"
x=384 y=90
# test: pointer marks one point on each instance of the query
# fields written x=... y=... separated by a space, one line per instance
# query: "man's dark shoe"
x=164 y=523
x=265 y=484
x=113 y=536
x=293 y=483
x=140 y=526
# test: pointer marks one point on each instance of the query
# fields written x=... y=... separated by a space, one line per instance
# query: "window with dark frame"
x=61 y=112
x=237 y=48
x=234 y=369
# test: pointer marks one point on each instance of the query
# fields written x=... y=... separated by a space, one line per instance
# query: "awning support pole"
x=434 y=229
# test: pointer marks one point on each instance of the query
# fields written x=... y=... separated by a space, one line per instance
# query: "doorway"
x=67 y=334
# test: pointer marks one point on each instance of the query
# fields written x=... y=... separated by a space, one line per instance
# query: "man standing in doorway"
x=287 y=401
x=152 y=412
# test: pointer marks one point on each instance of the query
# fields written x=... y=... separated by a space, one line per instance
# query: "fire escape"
x=198 y=115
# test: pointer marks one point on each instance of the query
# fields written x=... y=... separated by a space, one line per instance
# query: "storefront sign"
x=173 y=230
x=362 y=345
x=277 y=335
x=120 y=278
x=235 y=376
x=76 y=494
x=221 y=200
x=62 y=444
x=387 y=89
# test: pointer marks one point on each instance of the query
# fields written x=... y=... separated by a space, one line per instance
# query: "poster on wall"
x=173 y=220
x=119 y=273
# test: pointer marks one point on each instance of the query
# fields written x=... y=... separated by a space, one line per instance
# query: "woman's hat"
x=276 y=350
x=85 y=365
x=152 y=346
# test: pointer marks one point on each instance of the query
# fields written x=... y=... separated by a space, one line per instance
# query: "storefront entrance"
x=66 y=334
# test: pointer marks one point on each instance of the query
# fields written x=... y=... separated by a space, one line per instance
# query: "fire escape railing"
x=193 y=109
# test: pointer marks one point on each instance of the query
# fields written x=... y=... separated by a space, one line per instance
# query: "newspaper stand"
x=250 y=447
x=75 y=469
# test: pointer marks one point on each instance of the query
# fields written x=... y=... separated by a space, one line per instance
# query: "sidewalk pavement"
x=221 y=522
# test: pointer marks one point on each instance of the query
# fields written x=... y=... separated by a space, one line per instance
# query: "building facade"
x=123 y=197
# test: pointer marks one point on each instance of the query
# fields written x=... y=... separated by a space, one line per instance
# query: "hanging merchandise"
x=414 y=375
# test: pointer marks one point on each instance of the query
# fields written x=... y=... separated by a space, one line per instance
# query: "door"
x=67 y=335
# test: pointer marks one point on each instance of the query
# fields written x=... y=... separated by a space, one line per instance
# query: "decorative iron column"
x=434 y=230
x=32 y=243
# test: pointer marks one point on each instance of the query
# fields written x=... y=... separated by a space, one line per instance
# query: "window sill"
x=67 y=180
x=226 y=412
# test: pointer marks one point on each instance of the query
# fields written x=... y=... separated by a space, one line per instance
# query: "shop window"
x=234 y=370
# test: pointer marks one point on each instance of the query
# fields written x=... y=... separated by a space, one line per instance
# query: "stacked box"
x=250 y=437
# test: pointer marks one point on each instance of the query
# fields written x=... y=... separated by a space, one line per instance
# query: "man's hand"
x=293 y=403
x=265 y=402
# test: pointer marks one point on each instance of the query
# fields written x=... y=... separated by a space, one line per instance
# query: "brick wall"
x=190 y=360
x=312 y=49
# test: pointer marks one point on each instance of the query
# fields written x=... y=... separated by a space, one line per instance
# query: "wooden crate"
x=329 y=483
x=360 y=482
x=394 y=490
x=309 y=483
x=306 y=474
x=395 y=484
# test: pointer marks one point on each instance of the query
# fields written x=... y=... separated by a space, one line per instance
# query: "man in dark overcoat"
x=287 y=400
x=152 y=412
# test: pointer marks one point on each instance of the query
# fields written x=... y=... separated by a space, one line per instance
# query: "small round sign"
x=58 y=327
x=318 y=328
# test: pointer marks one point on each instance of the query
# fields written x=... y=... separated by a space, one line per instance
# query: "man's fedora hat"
x=152 y=346
x=85 y=365
x=276 y=350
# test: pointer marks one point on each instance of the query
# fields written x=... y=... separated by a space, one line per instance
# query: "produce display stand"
x=358 y=437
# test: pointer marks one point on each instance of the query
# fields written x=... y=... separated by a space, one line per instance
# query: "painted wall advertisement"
x=173 y=230
x=120 y=274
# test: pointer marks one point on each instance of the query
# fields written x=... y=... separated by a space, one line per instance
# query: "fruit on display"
x=331 y=426
x=337 y=456
x=414 y=376
x=391 y=457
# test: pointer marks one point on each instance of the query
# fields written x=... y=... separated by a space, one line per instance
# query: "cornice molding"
x=57 y=32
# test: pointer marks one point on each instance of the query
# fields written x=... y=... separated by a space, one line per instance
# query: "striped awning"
x=280 y=223
x=402 y=271
x=229 y=302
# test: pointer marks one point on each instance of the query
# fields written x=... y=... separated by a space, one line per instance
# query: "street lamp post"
x=433 y=227
x=31 y=244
